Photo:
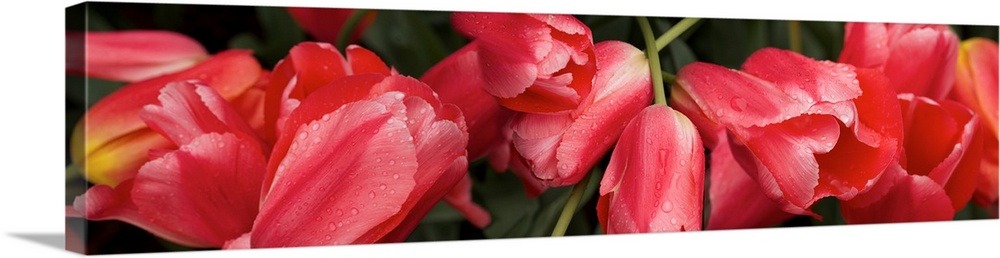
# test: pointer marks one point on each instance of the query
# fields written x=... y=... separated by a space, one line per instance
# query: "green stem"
x=669 y=78
x=659 y=94
x=570 y=208
x=349 y=27
x=795 y=36
x=675 y=32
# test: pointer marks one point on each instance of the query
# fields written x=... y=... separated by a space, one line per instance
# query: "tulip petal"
x=485 y=117
x=736 y=198
x=659 y=152
x=188 y=110
x=308 y=203
x=209 y=186
x=911 y=198
x=111 y=119
x=922 y=61
x=561 y=148
x=133 y=55
x=365 y=61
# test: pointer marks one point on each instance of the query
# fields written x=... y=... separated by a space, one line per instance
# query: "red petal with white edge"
x=206 y=190
x=132 y=55
x=736 y=198
x=656 y=177
x=922 y=62
x=319 y=197
x=188 y=110
x=907 y=198
x=486 y=119
x=803 y=78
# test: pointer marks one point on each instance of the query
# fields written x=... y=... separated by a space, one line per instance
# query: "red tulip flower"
x=918 y=59
x=111 y=142
x=399 y=151
x=976 y=87
x=200 y=194
x=937 y=173
x=131 y=56
x=656 y=178
x=325 y=24
x=804 y=129
x=561 y=148
x=537 y=63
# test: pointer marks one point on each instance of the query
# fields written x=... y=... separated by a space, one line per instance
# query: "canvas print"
x=208 y=127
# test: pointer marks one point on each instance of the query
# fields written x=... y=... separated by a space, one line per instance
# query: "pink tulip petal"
x=736 y=198
x=485 y=117
x=922 y=62
x=242 y=242
x=561 y=148
x=659 y=152
x=910 y=198
x=188 y=110
x=319 y=197
x=133 y=55
x=865 y=45
x=206 y=189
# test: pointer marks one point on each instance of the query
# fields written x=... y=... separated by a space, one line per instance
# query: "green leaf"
x=503 y=196
x=405 y=40
x=437 y=231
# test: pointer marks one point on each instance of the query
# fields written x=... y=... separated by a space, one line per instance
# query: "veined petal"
x=207 y=189
x=922 y=61
x=132 y=55
x=116 y=116
x=660 y=152
x=188 y=110
x=318 y=197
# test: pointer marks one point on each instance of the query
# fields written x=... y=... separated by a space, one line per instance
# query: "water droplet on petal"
x=382 y=186
x=326 y=117
x=395 y=176
x=371 y=194
x=303 y=135
x=354 y=211
x=667 y=206
x=315 y=126
x=673 y=221
x=332 y=226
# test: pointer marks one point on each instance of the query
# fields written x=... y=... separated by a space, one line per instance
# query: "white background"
x=31 y=143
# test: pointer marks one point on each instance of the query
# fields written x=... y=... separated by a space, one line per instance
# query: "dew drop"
x=332 y=226
x=221 y=144
x=392 y=191
x=303 y=135
x=382 y=186
x=673 y=221
x=354 y=211
x=392 y=162
x=315 y=127
x=667 y=206
x=371 y=194
x=395 y=176
x=328 y=237
x=326 y=117
x=340 y=212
